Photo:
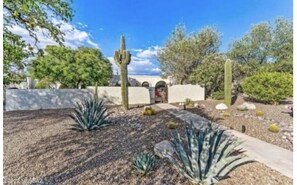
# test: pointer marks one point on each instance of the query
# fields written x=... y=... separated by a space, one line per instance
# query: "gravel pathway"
x=39 y=148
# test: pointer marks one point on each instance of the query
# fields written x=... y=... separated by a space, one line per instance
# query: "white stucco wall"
x=137 y=80
x=178 y=93
x=112 y=95
x=35 y=99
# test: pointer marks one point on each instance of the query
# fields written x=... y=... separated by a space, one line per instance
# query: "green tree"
x=31 y=15
x=183 y=53
x=72 y=68
x=267 y=46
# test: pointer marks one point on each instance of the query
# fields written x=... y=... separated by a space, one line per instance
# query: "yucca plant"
x=144 y=163
x=90 y=114
x=206 y=156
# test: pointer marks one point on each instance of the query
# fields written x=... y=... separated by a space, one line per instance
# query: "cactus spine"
x=122 y=58
x=228 y=82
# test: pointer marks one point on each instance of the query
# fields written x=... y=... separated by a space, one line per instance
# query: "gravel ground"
x=40 y=149
x=255 y=126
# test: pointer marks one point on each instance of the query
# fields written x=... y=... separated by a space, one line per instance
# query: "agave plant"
x=206 y=156
x=144 y=163
x=90 y=114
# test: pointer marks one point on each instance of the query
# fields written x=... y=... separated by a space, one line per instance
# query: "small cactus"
x=226 y=114
x=274 y=128
x=228 y=82
x=259 y=113
x=171 y=125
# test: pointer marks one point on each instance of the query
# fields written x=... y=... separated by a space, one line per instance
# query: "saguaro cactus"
x=122 y=58
x=228 y=82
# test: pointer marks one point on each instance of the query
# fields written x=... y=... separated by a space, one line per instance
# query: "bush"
x=148 y=111
x=259 y=113
x=226 y=114
x=43 y=84
x=274 y=128
x=171 y=125
x=189 y=103
x=218 y=95
x=269 y=87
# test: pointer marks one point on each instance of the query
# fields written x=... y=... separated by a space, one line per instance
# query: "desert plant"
x=148 y=111
x=144 y=163
x=226 y=114
x=205 y=156
x=90 y=114
x=218 y=95
x=269 y=87
x=122 y=58
x=228 y=82
x=171 y=125
x=189 y=102
x=274 y=128
x=259 y=113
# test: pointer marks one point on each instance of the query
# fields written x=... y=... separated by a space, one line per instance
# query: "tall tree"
x=30 y=15
x=267 y=44
x=72 y=68
x=183 y=53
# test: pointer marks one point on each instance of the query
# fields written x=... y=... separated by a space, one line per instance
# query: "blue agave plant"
x=205 y=156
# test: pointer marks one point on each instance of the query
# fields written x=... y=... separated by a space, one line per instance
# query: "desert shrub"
x=144 y=163
x=226 y=114
x=218 y=95
x=148 y=111
x=89 y=115
x=269 y=87
x=206 y=156
x=171 y=125
x=43 y=84
x=274 y=128
x=259 y=113
x=189 y=102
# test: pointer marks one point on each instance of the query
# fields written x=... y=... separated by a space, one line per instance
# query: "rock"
x=181 y=104
x=221 y=106
x=163 y=147
x=196 y=104
x=249 y=106
x=284 y=137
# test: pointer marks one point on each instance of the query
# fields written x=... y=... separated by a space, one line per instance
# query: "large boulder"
x=163 y=147
x=221 y=106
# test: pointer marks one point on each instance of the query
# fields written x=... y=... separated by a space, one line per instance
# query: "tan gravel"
x=40 y=149
x=255 y=127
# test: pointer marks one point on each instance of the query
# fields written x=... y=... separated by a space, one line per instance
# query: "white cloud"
x=142 y=62
x=74 y=37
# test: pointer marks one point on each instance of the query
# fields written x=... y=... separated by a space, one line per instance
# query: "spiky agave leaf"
x=89 y=115
x=144 y=163
x=206 y=157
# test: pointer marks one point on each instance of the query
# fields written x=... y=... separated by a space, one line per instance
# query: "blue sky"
x=147 y=24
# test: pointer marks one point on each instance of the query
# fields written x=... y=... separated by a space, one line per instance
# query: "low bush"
x=144 y=163
x=274 y=128
x=189 y=103
x=269 y=87
x=171 y=125
x=259 y=113
x=148 y=111
x=226 y=114
x=218 y=95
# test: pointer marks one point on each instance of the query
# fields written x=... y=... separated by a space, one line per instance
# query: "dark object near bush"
x=218 y=95
x=144 y=163
x=89 y=115
x=205 y=156
x=269 y=87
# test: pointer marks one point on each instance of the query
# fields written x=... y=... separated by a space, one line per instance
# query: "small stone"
x=196 y=104
x=284 y=137
x=221 y=106
x=163 y=147
x=246 y=116
x=249 y=106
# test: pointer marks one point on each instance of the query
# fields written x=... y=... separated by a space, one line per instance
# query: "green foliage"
x=43 y=84
x=210 y=73
x=218 y=95
x=206 y=156
x=226 y=114
x=72 y=68
x=171 y=125
x=183 y=53
x=89 y=115
x=228 y=82
x=259 y=113
x=122 y=58
x=189 y=103
x=269 y=87
x=144 y=163
x=148 y=111
x=268 y=45
x=274 y=128
x=30 y=15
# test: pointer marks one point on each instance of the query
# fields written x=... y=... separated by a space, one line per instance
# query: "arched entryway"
x=161 y=92
x=145 y=84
